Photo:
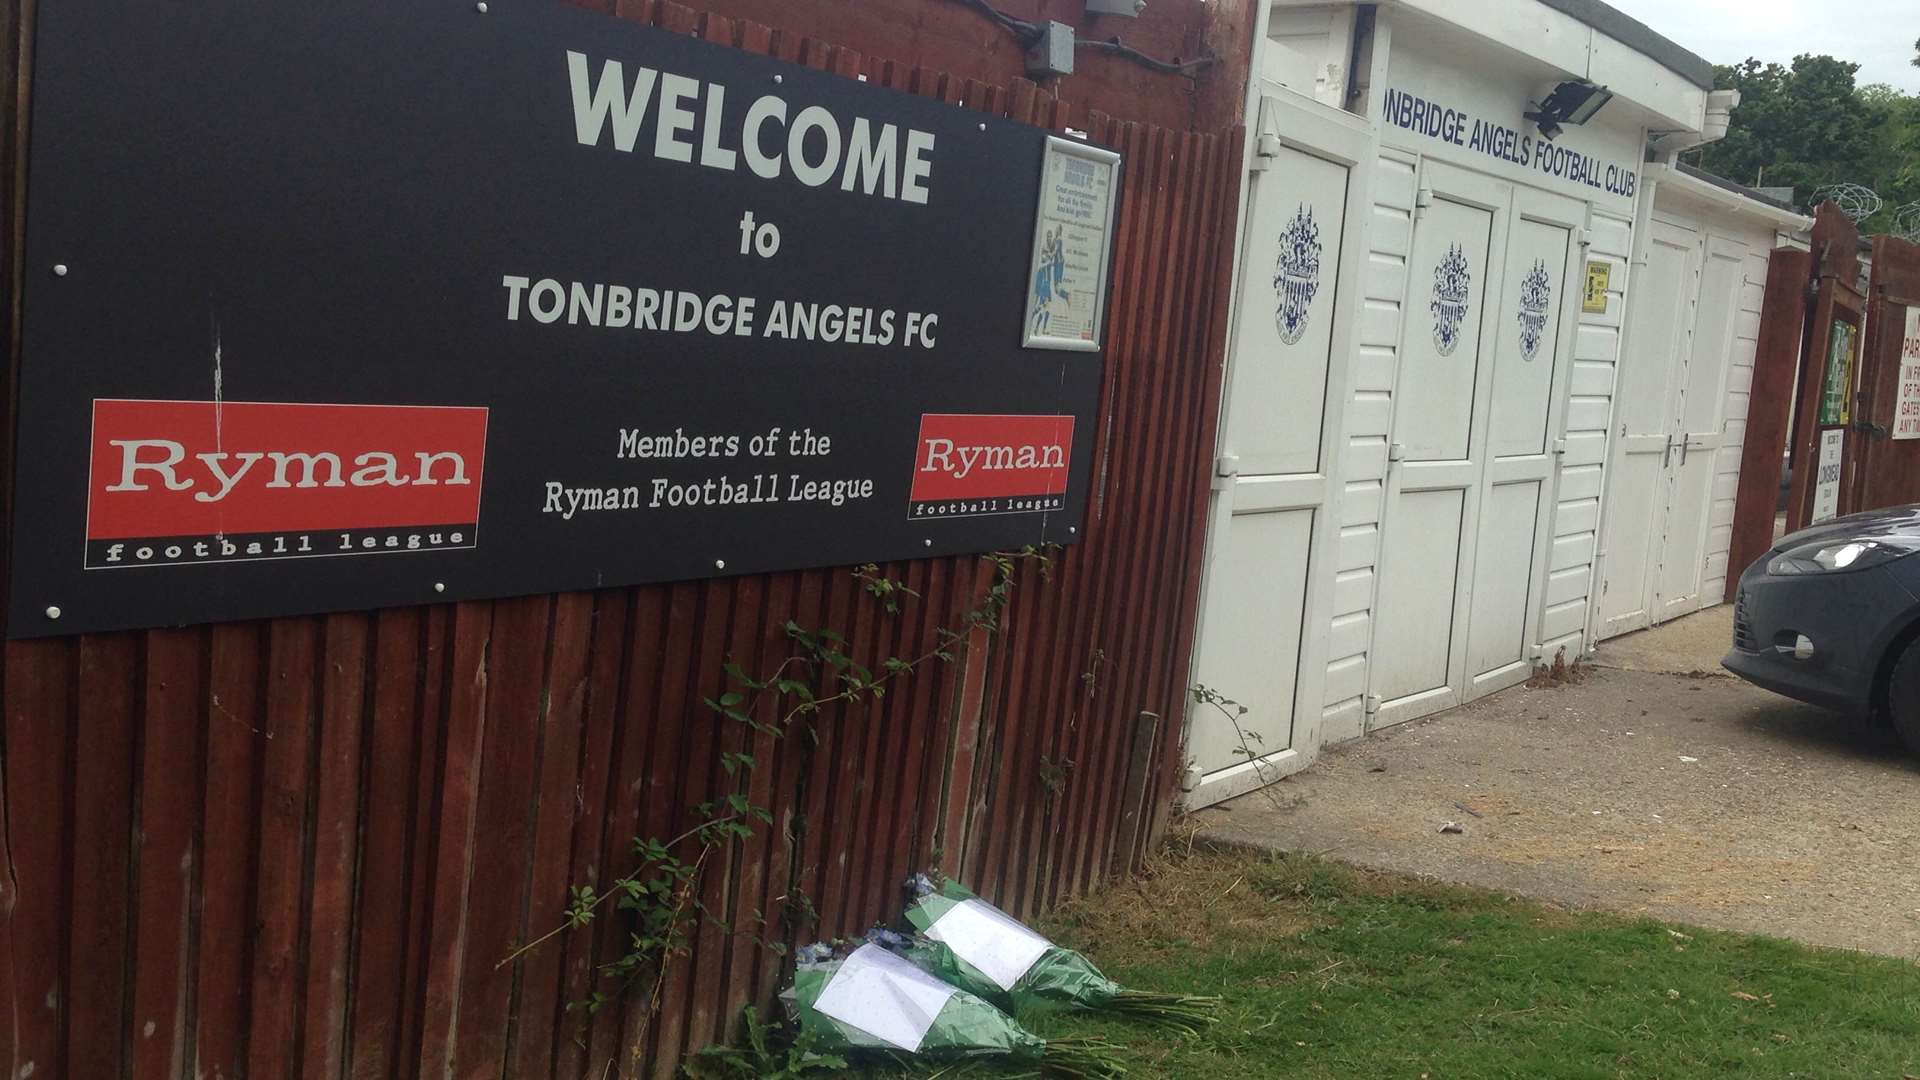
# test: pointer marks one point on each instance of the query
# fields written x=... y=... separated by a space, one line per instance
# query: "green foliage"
x=1307 y=879
x=1808 y=125
x=884 y=589
x=1330 y=973
x=765 y=1052
x=1252 y=744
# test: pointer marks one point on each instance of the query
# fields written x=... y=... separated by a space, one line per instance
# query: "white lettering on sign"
x=1906 y=405
x=876 y=160
x=163 y=459
x=1826 y=482
x=622 y=307
x=959 y=462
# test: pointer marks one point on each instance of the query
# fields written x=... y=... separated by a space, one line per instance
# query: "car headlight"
x=1837 y=557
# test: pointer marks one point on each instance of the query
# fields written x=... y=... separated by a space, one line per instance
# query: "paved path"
x=1698 y=799
x=1691 y=645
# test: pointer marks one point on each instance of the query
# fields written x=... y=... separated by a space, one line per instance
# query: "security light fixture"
x=1572 y=102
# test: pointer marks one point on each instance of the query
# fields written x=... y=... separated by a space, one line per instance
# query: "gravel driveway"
x=1688 y=797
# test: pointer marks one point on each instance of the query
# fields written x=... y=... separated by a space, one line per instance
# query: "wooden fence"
x=300 y=848
x=1886 y=470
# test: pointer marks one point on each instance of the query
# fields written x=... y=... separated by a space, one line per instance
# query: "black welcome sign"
x=358 y=304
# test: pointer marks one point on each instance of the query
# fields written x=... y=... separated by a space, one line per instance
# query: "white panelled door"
x=1670 y=409
x=1530 y=369
x=1478 y=411
x=1697 y=430
x=1449 y=334
x=1270 y=489
x=1643 y=448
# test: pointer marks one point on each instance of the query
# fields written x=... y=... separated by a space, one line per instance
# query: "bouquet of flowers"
x=875 y=1000
x=979 y=948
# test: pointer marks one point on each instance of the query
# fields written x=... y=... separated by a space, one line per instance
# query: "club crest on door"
x=1536 y=295
x=1452 y=287
x=1296 y=274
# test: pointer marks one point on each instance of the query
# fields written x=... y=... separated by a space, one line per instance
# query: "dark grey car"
x=1832 y=616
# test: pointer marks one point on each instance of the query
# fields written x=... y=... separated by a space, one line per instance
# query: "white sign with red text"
x=1906 y=405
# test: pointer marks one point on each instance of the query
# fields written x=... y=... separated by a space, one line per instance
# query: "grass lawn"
x=1329 y=972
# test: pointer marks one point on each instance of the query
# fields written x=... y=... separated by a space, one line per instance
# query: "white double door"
x=1270 y=527
x=1673 y=385
x=1486 y=336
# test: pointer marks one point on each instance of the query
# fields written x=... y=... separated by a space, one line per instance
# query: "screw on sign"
x=1906 y=409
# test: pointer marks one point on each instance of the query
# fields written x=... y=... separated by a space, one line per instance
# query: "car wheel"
x=1903 y=696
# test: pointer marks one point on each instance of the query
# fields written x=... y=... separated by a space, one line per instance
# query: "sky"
x=1876 y=34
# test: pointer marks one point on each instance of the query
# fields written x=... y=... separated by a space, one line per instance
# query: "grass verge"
x=1332 y=972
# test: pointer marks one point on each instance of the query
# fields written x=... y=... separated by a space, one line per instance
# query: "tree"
x=1807 y=125
x=1803 y=125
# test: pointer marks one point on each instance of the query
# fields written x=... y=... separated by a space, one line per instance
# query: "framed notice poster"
x=1837 y=386
x=1072 y=240
x=1826 y=482
x=1906 y=406
x=1599 y=277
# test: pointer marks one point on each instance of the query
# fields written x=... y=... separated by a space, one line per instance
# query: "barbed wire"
x=1857 y=201
x=1906 y=222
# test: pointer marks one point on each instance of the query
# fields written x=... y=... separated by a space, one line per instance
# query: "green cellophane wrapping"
x=966 y=1027
x=1058 y=977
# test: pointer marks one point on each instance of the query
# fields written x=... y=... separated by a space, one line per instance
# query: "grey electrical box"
x=1126 y=9
x=1053 y=53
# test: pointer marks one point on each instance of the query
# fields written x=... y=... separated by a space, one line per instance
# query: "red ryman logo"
x=183 y=482
x=969 y=465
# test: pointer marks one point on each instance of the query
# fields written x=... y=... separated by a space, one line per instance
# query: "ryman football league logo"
x=1536 y=293
x=973 y=465
x=1296 y=274
x=1452 y=286
x=187 y=483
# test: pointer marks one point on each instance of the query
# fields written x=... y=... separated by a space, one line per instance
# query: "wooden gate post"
x=1836 y=247
x=1783 y=324
x=1888 y=471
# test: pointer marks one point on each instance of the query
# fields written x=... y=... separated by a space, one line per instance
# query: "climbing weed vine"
x=1252 y=745
x=660 y=899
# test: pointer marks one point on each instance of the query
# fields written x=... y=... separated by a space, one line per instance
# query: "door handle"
x=1684 y=445
x=1666 y=456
